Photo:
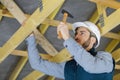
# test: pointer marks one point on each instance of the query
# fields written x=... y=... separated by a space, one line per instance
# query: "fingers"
x=59 y=30
x=59 y=27
x=62 y=31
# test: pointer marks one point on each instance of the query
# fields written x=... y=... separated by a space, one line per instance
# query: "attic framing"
x=45 y=17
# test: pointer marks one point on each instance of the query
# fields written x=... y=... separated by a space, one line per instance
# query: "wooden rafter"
x=112 y=21
x=117 y=77
x=28 y=27
x=109 y=3
x=111 y=46
x=112 y=35
x=36 y=75
x=18 y=68
x=116 y=55
x=63 y=55
x=14 y=9
x=43 y=39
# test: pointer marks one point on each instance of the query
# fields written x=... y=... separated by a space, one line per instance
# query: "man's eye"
x=82 y=33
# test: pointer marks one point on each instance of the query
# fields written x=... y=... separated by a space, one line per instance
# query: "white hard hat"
x=91 y=26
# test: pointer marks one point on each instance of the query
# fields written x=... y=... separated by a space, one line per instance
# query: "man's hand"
x=63 y=28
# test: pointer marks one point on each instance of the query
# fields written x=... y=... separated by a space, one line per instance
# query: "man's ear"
x=92 y=40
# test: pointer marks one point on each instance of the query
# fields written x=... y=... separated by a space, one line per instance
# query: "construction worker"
x=87 y=64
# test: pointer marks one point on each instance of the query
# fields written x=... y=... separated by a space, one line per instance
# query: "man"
x=87 y=64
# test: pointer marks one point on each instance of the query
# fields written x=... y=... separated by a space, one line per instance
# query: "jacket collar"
x=93 y=52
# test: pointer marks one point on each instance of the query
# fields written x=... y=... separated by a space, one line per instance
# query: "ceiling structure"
x=21 y=17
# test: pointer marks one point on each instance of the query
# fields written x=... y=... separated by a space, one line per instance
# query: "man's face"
x=82 y=36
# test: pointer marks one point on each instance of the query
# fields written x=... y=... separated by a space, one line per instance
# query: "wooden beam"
x=116 y=77
x=34 y=75
x=102 y=15
x=58 y=58
x=35 y=19
x=116 y=55
x=112 y=35
x=112 y=45
x=19 y=53
x=117 y=67
x=18 y=68
x=62 y=56
x=14 y=9
x=94 y=17
x=109 y=3
x=42 y=41
x=51 y=78
x=111 y=22
x=5 y=13
x=25 y=54
x=19 y=15
x=55 y=23
x=13 y=76
x=108 y=23
x=0 y=18
x=45 y=44
x=44 y=27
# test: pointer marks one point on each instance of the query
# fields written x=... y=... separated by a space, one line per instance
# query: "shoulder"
x=104 y=54
x=102 y=63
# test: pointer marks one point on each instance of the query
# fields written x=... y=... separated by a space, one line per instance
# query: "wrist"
x=67 y=37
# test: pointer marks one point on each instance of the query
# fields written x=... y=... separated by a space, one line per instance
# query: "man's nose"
x=76 y=36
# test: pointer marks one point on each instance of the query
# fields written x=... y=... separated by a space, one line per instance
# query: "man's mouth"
x=77 y=40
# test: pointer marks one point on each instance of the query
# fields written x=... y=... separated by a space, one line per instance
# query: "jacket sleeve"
x=101 y=63
x=38 y=63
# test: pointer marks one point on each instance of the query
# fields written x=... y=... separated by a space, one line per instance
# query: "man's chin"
x=79 y=43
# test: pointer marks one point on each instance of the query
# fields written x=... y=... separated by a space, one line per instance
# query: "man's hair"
x=93 y=35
